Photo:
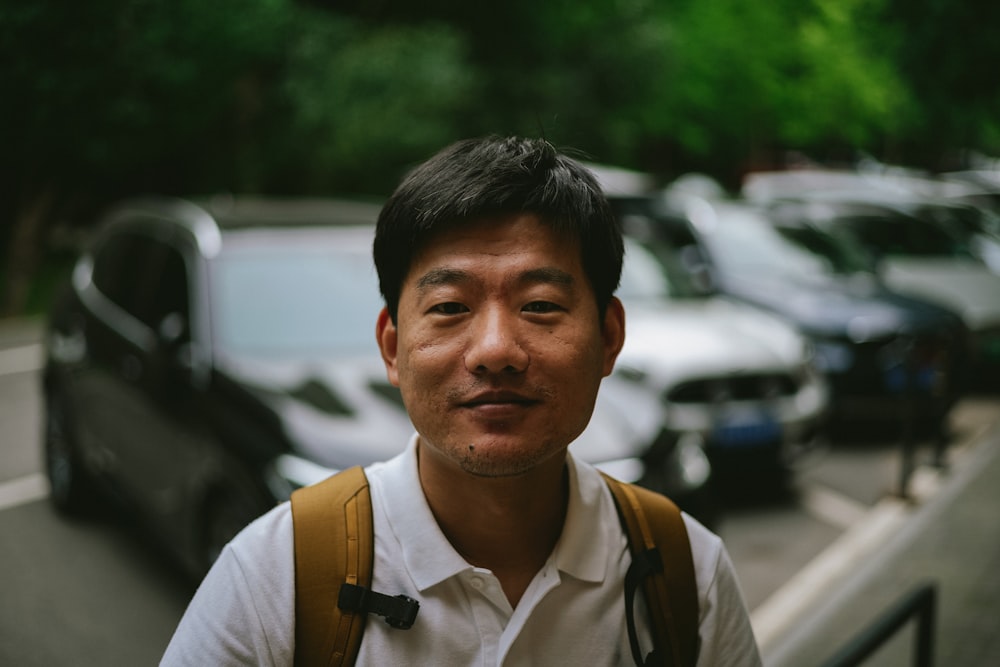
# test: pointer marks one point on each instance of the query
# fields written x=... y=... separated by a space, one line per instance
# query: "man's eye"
x=541 y=307
x=450 y=308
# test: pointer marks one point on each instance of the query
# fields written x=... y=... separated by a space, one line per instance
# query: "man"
x=498 y=260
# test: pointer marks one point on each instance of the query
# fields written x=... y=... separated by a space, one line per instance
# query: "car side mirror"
x=698 y=269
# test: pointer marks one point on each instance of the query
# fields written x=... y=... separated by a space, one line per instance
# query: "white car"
x=735 y=379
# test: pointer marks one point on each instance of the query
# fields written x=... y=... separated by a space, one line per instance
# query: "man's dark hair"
x=481 y=178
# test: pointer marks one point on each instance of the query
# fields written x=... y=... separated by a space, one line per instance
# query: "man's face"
x=498 y=349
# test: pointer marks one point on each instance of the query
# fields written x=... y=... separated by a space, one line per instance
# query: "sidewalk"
x=949 y=536
x=17 y=331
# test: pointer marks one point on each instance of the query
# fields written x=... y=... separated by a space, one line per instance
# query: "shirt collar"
x=427 y=554
x=430 y=558
x=582 y=550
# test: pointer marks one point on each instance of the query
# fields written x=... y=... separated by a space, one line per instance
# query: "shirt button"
x=477 y=583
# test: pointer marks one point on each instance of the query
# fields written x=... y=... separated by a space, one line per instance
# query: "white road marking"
x=23 y=490
x=22 y=359
x=831 y=507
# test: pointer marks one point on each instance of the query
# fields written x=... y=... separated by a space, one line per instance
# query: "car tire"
x=70 y=488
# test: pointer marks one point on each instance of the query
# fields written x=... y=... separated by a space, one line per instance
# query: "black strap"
x=399 y=611
x=644 y=564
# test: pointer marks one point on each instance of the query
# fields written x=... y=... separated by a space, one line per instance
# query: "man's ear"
x=613 y=333
x=386 y=336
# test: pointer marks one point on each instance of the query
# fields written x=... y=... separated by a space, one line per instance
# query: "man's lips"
x=498 y=399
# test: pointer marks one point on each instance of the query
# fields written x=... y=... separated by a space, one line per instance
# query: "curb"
x=805 y=592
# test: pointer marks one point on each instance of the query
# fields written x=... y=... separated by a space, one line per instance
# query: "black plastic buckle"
x=398 y=611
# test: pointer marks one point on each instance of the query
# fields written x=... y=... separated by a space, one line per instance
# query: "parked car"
x=733 y=378
x=916 y=256
x=209 y=357
x=884 y=354
x=963 y=205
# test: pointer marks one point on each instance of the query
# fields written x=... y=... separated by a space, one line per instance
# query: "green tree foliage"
x=947 y=52
x=598 y=64
x=360 y=103
x=110 y=83
x=113 y=97
x=748 y=79
x=578 y=72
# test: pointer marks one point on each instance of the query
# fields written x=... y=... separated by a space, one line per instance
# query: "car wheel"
x=69 y=487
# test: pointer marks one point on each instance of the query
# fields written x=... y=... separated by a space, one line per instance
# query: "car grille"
x=749 y=387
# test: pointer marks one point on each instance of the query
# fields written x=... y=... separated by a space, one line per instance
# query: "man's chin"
x=496 y=458
x=498 y=463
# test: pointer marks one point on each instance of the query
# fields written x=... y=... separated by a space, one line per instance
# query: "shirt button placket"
x=489 y=618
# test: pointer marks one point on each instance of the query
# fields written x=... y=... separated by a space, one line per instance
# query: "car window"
x=167 y=292
x=903 y=236
x=642 y=275
x=655 y=269
x=121 y=266
x=845 y=256
x=294 y=301
x=744 y=243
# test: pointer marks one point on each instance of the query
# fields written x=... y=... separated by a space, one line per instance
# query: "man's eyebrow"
x=441 y=276
x=547 y=274
x=541 y=275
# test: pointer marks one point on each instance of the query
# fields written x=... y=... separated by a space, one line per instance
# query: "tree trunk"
x=24 y=251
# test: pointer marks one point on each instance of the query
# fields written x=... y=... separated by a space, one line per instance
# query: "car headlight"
x=692 y=460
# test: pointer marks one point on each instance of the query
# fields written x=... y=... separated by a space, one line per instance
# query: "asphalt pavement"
x=945 y=535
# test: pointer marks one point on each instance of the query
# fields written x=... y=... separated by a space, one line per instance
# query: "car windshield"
x=744 y=243
x=903 y=236
x=844 y=254
x=288 y=300
x=652 y=270
x=962 y=222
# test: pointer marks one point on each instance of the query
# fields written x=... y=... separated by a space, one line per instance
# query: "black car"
x=182 y=376
x=210 y=357
x=887 y=356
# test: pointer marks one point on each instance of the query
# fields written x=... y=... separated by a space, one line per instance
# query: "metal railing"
x=921 y=602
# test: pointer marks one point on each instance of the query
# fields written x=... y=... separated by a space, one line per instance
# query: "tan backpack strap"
x=333 y=543
x=657 y=533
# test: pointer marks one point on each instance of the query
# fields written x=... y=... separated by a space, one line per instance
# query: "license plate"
x=746 y=429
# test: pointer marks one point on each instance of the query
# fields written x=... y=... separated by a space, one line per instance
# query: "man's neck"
x=508 y=525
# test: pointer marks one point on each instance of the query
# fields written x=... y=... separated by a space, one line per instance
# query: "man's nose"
x=495 y=345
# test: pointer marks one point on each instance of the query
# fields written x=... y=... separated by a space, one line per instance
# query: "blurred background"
x=831 y=163
x=115 y=97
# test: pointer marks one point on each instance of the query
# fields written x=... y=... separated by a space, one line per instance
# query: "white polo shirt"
x=572 y=613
